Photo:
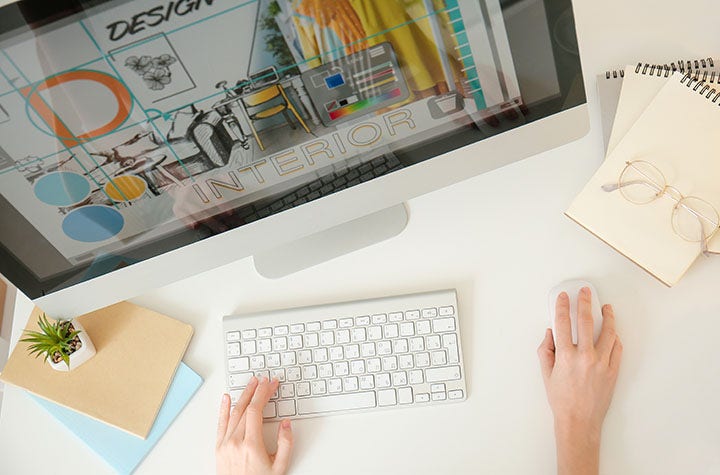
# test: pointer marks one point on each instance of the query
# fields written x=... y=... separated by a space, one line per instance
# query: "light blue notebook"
x=121 y=450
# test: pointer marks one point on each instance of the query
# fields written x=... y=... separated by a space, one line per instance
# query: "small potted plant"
x=64 y=343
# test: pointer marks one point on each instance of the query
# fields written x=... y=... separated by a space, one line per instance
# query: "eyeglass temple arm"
x=616 y=186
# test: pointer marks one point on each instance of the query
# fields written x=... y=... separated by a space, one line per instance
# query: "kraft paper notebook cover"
x=124 y=384
x=122 y=451
x=610 y=85
x=679 y=132
x=639 y=86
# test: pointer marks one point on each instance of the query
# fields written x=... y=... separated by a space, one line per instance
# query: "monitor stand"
x=331 y=243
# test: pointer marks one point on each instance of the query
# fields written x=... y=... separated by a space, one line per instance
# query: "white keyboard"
x=363 y=355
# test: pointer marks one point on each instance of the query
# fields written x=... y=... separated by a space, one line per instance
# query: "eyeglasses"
x=693 y=219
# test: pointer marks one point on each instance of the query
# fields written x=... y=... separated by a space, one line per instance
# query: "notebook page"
x=679 y=132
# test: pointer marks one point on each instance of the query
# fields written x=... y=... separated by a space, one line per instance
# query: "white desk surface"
x=500 y=239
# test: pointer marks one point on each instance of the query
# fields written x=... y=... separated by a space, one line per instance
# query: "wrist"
x=578 y=428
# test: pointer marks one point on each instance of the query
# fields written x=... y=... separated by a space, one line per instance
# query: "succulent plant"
x=55 y=340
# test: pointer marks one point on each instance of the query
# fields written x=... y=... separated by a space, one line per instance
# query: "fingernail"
x=225 y=397
x=585 y=291
x=563 y=295
x=252 y=380
x=286 y=424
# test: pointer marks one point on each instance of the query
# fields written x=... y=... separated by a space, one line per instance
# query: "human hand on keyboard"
x=240 y=449
x=580 y=380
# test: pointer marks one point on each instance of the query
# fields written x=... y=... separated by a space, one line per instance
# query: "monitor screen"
x=132 y=128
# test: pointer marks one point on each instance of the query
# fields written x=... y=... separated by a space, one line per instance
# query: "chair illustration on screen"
x=258 y=107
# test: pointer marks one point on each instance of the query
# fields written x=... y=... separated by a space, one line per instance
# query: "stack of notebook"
x=123 y=399
x=668 y=116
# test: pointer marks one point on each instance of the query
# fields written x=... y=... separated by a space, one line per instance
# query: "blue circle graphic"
x=93 y=223
x=62 y=188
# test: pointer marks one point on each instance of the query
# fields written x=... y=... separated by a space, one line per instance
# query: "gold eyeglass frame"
x=667 y=190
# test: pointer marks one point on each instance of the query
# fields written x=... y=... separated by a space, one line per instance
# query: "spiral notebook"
x=679 y=132
x=636 y=86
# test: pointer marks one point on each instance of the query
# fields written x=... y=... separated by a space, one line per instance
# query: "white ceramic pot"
x=86 y=351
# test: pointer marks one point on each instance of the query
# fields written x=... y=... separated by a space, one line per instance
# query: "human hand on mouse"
x=580 y=380
x=240 y=449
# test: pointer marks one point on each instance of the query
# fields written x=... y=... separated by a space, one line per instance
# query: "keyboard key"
x=391 y=330
x=389 y=363
x=367 y=381
x=437 y=388
x=278 y=373
x=432 y=342
x=304 y=356
x=406 y=361
x=407 y=329
x=367 y=349
x=233 y=349
x=443 y=325
x=405 y=395
x=320 y=355
x=429 y=312
x=395 y=317
x=399 y=378
x=232 y=336
x=286 y=408
x=386 y=397
x=324 y=370
x=293 y=374
x=382 y=380
x=350 y=383
x=448 y=373
x=417 y=344
x=415 y=376
x=422 y=360
x=281 y=330
x=438 y=396
x=364 y=320
x=384 y=348
x=456 y=394
x=373 y=365
x=336 y=353
x=313 y=326
x=357 y=367
x=234 y=396
x=346 y=322
x=279 y=343
x=264 y=332
x=264 y=345
x=238 y=364
x=352 y=351
x=423 y=327
x=446 y=311
x=239 y=380
x=337 y=402
x=412 y=315
x=379 y=318
x=358 y=335
x=297 y=328
x=422 y=397
x=329 y=324
x=438 y=358
x=327 y=338
x=303 y=388
x=311 y=339
x=341 y=368
x=309 y=372
x=262 y=374
x=269 y=410
x=318 y=387
x=288 y=358
x=273 y=360
x=295 y=342
x=334 y=385
x=400 y=346
x=257 y=362
x=374 y=333
x=342 y=337
x=249 y=334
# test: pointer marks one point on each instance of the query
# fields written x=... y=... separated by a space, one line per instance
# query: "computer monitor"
x=128 y=162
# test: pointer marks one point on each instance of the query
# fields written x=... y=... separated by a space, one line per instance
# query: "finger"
x=563 y=332
x=607 y=335
x=585 y=319
x=546 y=353
x=284 y=447
x=616 y=355
x=241 y=406
x=224 y=417
x=254 y=413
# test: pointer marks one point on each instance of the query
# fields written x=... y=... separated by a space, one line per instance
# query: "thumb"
x=546 y=353
x=284 y=447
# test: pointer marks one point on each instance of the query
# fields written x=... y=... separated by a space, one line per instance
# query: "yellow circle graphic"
x=126 y=188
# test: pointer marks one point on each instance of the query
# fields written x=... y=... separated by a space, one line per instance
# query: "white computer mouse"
x=572 y=287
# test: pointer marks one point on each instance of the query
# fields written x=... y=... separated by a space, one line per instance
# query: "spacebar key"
x=339 y=402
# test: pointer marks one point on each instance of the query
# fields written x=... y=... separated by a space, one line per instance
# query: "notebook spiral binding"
x=702 y=87
x=690 y=66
